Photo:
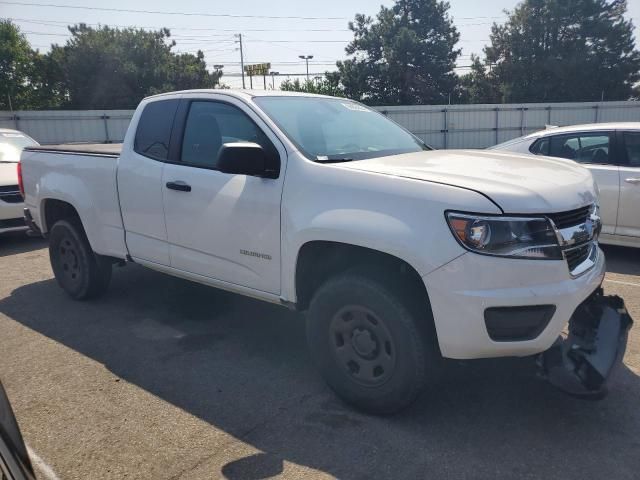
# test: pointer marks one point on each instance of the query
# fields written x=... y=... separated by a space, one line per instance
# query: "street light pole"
x=306 y=58
x=273 y=79
x=239 y=35
x=218 y=69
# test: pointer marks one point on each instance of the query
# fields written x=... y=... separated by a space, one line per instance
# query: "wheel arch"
x=53 y=210
x=318 y=260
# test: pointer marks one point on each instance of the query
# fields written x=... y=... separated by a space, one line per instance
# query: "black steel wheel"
x=78 y=270
x=368 y=343
x=363 y=345
x=68 y=260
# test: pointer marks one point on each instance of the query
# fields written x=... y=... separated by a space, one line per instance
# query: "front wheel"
x=368 y=343
x=79 y=271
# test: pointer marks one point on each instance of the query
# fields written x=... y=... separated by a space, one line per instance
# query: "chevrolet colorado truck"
x=399 y=254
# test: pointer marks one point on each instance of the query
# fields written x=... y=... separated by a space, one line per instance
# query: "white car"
x=400 y=254
x=11 y=204
x=611 y=151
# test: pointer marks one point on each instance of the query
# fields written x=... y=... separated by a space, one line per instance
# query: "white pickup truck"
x=401 y=255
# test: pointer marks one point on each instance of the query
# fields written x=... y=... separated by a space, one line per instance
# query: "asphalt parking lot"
x=165 y=379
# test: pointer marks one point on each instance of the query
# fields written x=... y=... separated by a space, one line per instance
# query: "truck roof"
x=246 y=94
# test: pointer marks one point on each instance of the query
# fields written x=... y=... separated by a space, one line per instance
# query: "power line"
x=65 y=23
x=204 y=37
x=160 y=12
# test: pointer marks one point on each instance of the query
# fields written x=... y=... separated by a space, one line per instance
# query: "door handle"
x=632 y=180
x=179 y=185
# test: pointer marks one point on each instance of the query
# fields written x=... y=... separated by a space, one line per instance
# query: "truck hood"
x=8 y=173
x=516 y=183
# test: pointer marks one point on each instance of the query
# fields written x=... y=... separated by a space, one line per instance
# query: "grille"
x=576 y=256
x=9 y=189
x=10 y=194
x=570 y=218
x=14 y=222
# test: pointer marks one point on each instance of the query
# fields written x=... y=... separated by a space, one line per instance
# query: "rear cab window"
x=154 y=129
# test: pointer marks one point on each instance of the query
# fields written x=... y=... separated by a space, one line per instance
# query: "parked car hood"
x=8 y=173
x=516 y=183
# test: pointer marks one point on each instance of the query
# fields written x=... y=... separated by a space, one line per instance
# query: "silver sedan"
x=611 y=151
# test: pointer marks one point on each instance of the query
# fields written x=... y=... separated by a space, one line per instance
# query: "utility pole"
x=306 y=58
x=239 y=35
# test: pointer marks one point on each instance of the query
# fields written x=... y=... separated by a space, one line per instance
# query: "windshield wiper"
x=332 y=159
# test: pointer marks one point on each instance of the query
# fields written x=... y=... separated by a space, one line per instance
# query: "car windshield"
x=332 y=129
x=12 y=144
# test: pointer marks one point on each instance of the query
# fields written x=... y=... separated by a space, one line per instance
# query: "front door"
x=223 y=226
x=629 y=213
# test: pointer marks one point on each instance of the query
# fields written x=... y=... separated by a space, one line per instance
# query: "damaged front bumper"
x=581 y=363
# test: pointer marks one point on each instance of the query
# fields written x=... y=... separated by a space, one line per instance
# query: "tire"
x=371 y=345
x=79 y=271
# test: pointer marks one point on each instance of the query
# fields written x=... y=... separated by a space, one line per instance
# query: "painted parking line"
x=41 y=466
x=623 y=283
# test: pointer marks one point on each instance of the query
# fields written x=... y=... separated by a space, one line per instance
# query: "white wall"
x=70 y=126
x=479 y=126
x=441 y=126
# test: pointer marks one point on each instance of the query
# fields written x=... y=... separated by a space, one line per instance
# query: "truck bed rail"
x=96 y=149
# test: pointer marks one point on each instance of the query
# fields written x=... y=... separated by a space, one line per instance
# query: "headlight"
x=505 y=236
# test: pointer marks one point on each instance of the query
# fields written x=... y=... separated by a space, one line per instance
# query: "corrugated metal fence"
x=70 y=126
x=479 y=126
x=442 y=126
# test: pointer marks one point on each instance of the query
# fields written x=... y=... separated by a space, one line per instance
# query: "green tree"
x=49 y=89
x=405 y=56
x=16 y=67
x=328 y=85
x=116 y=68
x=479 y=85
x=565 y=50
x=187 y=71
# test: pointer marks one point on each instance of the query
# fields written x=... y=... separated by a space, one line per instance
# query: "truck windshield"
x=12 y=144
x=332 y=129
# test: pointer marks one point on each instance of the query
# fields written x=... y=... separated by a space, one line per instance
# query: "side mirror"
x=243 y=158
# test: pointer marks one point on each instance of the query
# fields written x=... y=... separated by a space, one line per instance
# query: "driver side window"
x=209 y=125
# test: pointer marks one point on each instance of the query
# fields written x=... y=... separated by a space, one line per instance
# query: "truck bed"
x=100 y=149
x=84 y=176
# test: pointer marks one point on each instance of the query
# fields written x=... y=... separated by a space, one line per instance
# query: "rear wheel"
x=370 y=344
x=79 y=271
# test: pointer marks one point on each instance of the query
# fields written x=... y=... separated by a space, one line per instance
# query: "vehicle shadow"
x=242 y=366
x=622 y=260
x=12 y=243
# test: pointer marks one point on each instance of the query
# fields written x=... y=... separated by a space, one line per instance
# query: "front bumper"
x=581 y=363
x=464 y=288
x=11 y=217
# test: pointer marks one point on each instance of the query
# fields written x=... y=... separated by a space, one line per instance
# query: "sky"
x=319 y=29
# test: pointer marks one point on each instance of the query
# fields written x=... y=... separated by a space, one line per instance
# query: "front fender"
x=373 y=230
